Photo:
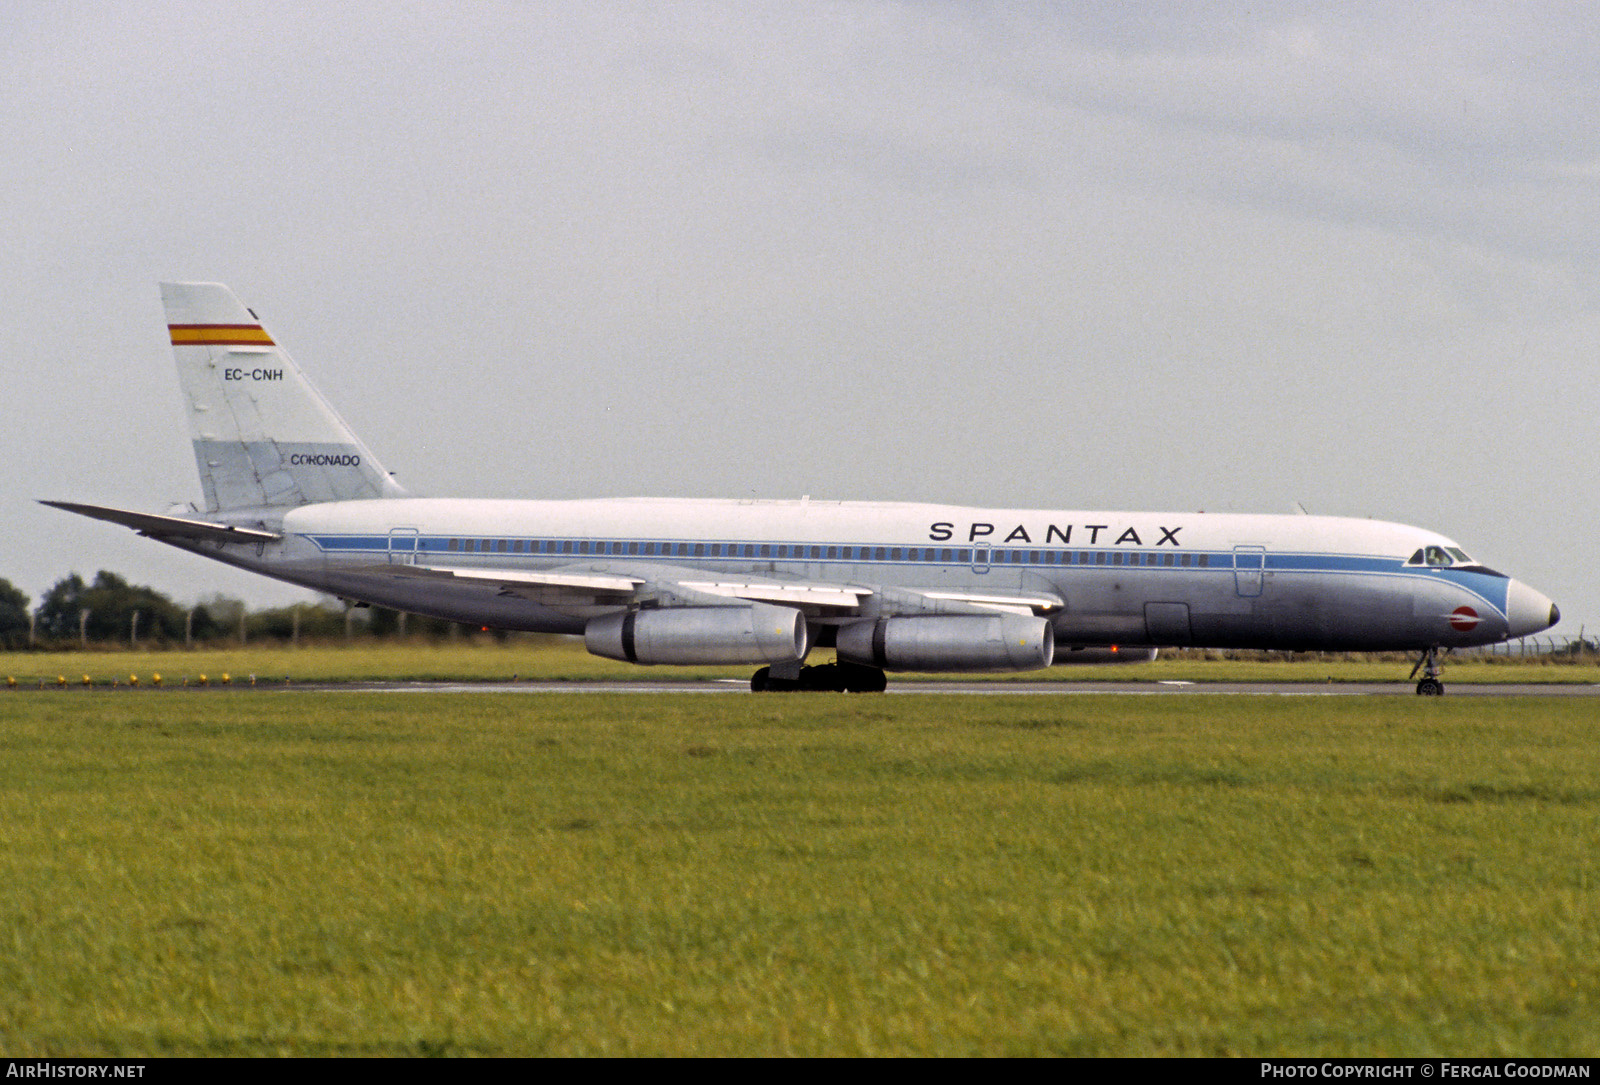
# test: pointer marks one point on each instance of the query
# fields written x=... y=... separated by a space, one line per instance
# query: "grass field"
x=268 y=872
x=558 y=659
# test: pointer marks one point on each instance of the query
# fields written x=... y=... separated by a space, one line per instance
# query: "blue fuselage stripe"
x=541 y=551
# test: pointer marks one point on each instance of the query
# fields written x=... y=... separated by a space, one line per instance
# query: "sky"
x=1170 y=256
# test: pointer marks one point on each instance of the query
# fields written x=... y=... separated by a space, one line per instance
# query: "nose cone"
x=1528 y=611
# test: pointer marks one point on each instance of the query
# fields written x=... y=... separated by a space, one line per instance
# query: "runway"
x=996 y=689
x=726 y=686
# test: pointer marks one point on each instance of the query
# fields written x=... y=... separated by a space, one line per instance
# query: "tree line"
x=109 y=610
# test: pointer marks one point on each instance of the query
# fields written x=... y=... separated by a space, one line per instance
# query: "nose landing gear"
x=1428 y=664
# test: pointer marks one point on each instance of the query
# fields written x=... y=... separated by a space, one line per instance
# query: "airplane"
x=292 y=493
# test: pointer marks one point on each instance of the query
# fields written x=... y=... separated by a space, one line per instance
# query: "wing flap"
x=774 y=591
x=1041 y=604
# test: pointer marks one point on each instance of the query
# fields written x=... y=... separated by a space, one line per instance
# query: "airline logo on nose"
x=1464 y=619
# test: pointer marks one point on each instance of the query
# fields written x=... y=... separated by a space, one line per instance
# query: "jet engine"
x=700 y=635
x=999 y=642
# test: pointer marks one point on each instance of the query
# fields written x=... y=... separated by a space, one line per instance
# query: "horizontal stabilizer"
x=167 y=527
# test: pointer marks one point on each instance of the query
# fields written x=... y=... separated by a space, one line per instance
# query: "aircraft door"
x=1249 y=563
x=403 y=546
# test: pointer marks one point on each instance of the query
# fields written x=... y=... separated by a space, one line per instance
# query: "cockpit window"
x=1449 y=557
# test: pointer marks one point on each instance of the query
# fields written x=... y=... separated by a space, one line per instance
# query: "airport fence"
x=1570 y=646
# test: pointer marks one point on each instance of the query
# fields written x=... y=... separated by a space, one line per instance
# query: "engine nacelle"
x=980 y=642
x=700 y=635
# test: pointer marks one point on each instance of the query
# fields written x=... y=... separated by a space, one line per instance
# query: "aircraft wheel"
x=826 y=677
x=763 y=682
x=821 y=678
x=1430 y=687
x=859 y=679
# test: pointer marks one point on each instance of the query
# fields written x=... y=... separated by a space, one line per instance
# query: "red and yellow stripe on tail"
x=219 y=335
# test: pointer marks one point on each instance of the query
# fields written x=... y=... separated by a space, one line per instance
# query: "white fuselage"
x=1126 y=578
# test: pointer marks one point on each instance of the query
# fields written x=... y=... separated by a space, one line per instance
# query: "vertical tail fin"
x=263 y=436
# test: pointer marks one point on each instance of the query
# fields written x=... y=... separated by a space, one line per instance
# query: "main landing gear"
x=1428 y=664
x=838 y=677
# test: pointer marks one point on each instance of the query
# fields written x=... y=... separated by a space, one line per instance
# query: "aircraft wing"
x=553 y=587
x=579 y=586
x=665 y=585
x=167 y=527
